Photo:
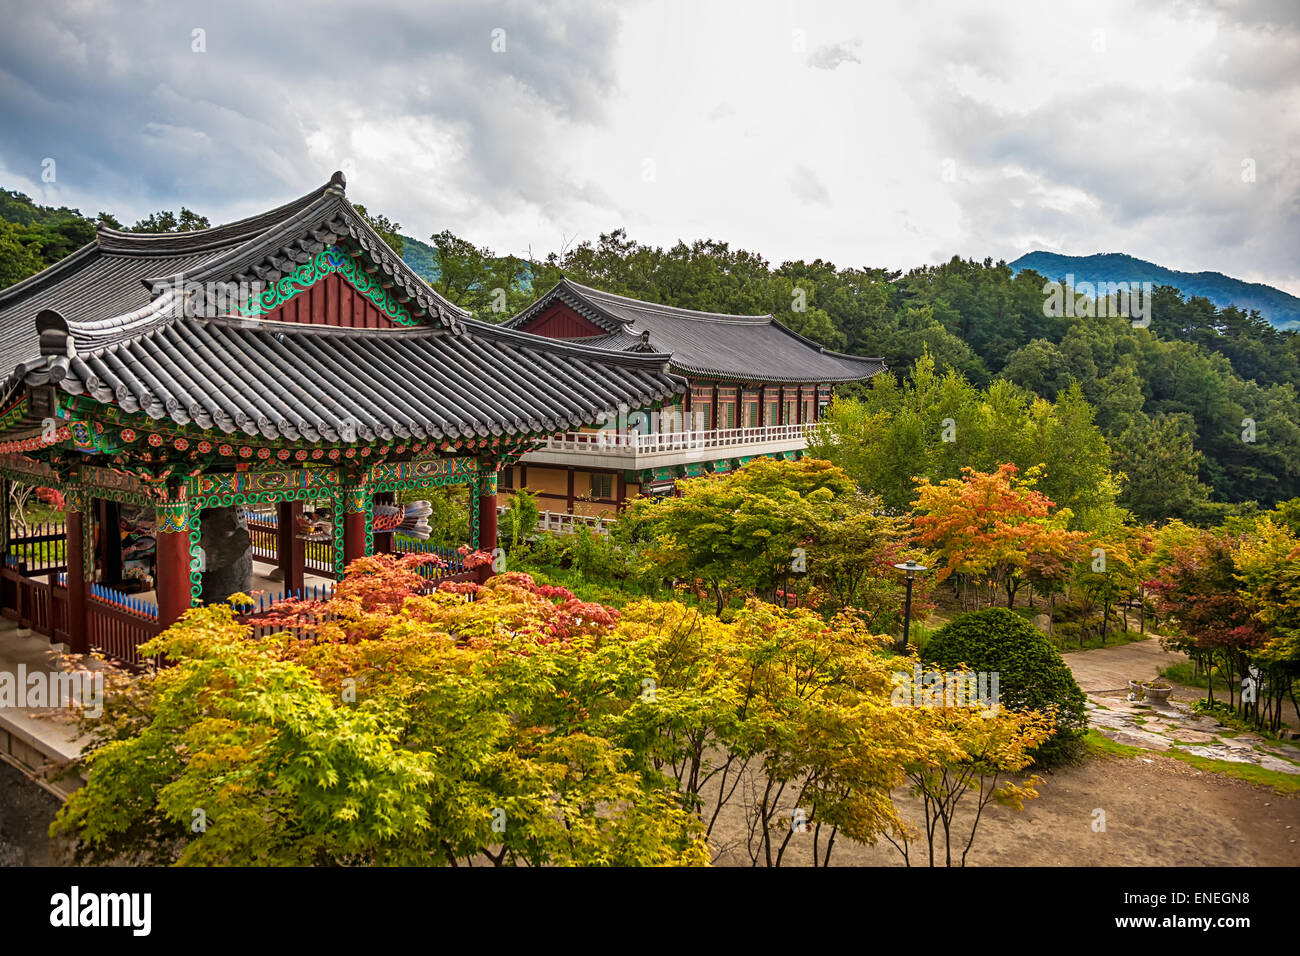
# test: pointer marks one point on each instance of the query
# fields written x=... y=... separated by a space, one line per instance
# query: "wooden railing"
x=38 y=547
x=263 y=530
x=39 y=603
x=117 y=624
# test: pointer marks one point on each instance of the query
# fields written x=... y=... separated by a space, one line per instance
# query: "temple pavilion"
x=756 y=389
x=165 y=384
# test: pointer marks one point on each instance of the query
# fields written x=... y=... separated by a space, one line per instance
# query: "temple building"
x=756 y=388
x=291 y=366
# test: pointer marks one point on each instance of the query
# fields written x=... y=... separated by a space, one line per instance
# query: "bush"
x=1031 y=673
x=519 y=523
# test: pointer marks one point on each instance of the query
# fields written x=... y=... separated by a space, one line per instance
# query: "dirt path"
x=1158 y=811
x=25 y=815
x=1111 y=668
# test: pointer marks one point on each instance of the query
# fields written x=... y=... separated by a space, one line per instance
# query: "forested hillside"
x=1199 y=412
x=1200 y=407
x=1280 y=308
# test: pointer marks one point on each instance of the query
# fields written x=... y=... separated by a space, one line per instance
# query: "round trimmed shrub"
x=1031 y=672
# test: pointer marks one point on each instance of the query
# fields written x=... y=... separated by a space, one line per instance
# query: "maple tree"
x=967 y=752
x=506 y=722
x=1267 y=568
x=1111 y=572
x=1197 y=590
x=987 y=526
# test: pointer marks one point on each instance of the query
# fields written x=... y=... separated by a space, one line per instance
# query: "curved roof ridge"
x=697 y=315
x=702 y=344
x=215 y=237
x=128 y=325
x=329 y=203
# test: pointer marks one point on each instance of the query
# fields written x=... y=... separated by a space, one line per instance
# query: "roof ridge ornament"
x=338 y=183
x=55 y=339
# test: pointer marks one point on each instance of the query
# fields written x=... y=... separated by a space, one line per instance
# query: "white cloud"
x=886 y=134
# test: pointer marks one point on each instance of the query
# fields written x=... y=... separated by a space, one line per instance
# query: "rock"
x=227 y=554
x=1239 y=755
x=1219 y=752
x=1139 y=738
x=1186 y=736
x=1157 y=725
x=1043 y=622
x=1269 y=762
x=1106 y=718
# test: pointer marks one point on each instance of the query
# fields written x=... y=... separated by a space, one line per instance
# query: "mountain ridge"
x=1280 y=309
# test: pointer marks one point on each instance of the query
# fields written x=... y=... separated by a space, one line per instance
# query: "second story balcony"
x=634 y=450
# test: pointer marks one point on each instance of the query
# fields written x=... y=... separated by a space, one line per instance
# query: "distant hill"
x=1281 y=309
x=421 y=257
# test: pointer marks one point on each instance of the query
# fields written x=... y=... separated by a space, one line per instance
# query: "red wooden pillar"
x=354 y=523
x=290 y=550
x=78 y=628
x=384 y=542
x=486 y=490
x=172 y=540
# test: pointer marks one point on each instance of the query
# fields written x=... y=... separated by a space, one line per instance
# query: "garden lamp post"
x=911 y=569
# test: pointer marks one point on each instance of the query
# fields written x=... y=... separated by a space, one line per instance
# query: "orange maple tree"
x=991 y=527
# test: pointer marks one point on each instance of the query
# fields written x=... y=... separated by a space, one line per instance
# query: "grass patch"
x=1249 y=772
x=1099 y=745
x=1289 y=783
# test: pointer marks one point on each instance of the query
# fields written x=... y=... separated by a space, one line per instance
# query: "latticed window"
x=751 y=414
x=602 y=486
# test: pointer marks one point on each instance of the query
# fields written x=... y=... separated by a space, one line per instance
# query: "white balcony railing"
x=635 y=443
x=562 y=523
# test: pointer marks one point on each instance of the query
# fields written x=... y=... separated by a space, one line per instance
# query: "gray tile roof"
x=318 y=383
x=127 y=343
x=705 y=344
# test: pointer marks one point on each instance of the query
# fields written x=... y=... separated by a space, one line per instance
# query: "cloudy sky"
x=883 y=134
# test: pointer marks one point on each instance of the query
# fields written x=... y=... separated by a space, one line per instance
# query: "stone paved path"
x=1165 y=726
x=1103 y=674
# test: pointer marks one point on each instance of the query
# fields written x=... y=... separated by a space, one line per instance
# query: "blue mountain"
x=1279 y=308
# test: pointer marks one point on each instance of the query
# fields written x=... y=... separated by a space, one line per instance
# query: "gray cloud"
x=128 y=111
x=829 y=56
x=1120 y=166
x=808 y=187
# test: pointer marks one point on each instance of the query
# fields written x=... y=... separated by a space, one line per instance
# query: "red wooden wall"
x=332 y=301
x=561 y=322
